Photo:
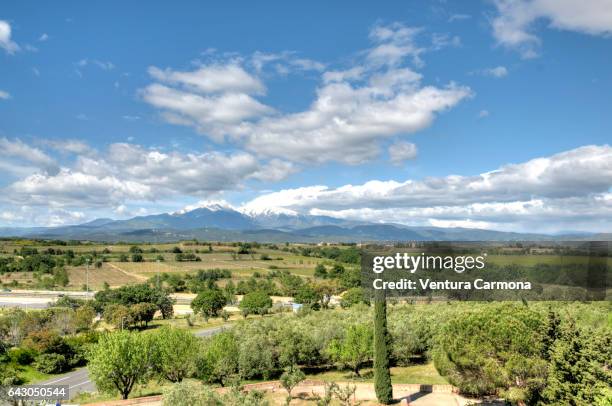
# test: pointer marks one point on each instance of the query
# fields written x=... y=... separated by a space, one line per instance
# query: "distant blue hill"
x=227 y=224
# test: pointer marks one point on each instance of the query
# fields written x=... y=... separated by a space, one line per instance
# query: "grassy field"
x=30 y=375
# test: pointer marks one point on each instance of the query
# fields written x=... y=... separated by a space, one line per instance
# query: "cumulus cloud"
x=211 y=79
x=76 y=189
x=6 y=43
x=514 y=25
x=19 y=150
x=354 y=109
x=4 y=95
x=211 y=99
x=394 y=42
x=70 y=146
x=50 y=217
x=128 y=172
x=572 y=187
x=346 y=122
x=401 y=152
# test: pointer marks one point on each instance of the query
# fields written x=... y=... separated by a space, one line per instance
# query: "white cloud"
x=483 y=113
x=50 y=217
x=401 y=152
x=496 y=72
x=20 y=150
x=83 y=63
x=212 y=79
x=348 y=75
x=274 y=171
x=70 y=146
x=514 y=26
x=44 y=37
x=440 y=41
x=5 y=38
x=569 y=190
x=284 y=62
x=4 y=95
x=353 y=110
x=210 y=114
x=345 y=122
x=76 y=189
x=394 y=42
x=128 y=172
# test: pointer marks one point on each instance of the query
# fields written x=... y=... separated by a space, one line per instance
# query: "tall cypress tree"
x=382 y=374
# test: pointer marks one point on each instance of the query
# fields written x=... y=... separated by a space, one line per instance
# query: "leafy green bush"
x=189 y=393
x=51 y=363
x=22 y=356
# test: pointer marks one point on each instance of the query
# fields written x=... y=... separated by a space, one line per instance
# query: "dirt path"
x=406 y=394
x=134 y=275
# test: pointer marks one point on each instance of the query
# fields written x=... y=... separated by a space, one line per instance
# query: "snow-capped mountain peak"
x=212 y=205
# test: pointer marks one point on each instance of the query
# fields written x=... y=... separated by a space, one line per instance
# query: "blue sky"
x=380 y=112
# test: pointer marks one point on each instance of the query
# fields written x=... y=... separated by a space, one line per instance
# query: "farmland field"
x=114 y=265
x=97 y=276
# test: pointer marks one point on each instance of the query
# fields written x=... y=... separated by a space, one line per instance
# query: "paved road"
x=78 y=380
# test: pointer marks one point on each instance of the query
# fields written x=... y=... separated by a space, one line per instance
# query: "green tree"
x=354 y=349
x=494 y=349
x=137 y=258
x=177 y=350
x=382 y=374
x=209 y=302
x=352 y=297
x=218 y=361
x=121 y=360
x=320 y=271
x=336 y=271
x=308 y=296
x=256 y=302
x=142 y=313
x=579 y=369
x=291 y=378
x=118 y=315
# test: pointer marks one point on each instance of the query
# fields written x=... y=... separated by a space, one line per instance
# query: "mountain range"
x=218 y=222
